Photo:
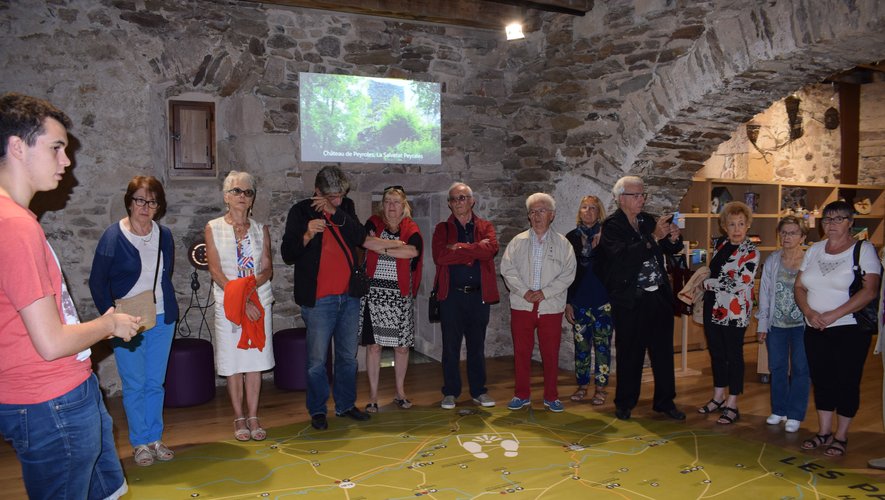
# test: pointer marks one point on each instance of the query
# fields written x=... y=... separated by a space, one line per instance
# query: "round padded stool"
x=290 y=357
x=190 y=376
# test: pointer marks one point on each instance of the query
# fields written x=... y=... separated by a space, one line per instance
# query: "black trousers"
x=726 y=346
x=648 y=326
x=463 y=317
x=836 y=356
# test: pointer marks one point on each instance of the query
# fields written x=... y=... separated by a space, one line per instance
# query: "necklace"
x=145 y=238
x=240 y=228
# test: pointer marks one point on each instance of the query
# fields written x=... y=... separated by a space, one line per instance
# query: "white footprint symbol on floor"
x=510 y=446
x=475 y=448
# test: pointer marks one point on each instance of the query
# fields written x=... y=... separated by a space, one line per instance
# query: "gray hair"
x=235 y=176
x=331 y=180
x=540 y=197
x=460 y=184
x=621 y=186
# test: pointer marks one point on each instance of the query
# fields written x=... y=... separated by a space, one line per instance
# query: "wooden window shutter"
x=192 y=138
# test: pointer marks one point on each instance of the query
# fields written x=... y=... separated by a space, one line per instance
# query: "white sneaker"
x=792 y=425
x=447 y=403
x=774 y=419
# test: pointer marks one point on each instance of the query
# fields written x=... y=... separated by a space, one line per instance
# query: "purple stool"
x=290 y=357
x=190 y=376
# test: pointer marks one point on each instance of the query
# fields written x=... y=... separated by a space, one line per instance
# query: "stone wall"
x=810 y=154
x=871 y=166
x=649 y=87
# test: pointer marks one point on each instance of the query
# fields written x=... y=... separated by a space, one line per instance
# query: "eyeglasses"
x=140 y=202
x=237 y=192
x=459 y=199
x=784 y=234
x=834 y=220
x=539 y=211
x=398 y=188
x=636 y=196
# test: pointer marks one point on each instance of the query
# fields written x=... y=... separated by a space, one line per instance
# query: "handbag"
x=433 y=307
x=433 y=314
x=359 y=281
x=144 y=304
x=866 y=317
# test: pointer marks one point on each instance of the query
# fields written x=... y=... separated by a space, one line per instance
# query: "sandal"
x=817 y=441
x=598 y=398
x=160 y=451
x=579 y=394
x=712 y=406
x=241 y=434
x=372 y=408
x=836 y=448
x=403 y=403
x=729 y=416
x=143 y=456
x=257 y=434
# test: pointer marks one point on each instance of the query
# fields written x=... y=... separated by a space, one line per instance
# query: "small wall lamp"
x=514 y=31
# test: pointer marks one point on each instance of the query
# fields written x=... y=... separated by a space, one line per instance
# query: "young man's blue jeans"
x=332 y=317
x=66 y=445
x=790 y=376
x=142 y=365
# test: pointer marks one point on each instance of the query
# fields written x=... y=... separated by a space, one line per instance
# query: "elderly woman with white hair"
x=238 y=251
x=538 y=266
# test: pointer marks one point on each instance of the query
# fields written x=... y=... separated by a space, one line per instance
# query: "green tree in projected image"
x=348 y=118
x=334 y=113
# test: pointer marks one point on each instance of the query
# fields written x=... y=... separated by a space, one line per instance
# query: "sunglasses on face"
x=237 y=192
x=459 y=199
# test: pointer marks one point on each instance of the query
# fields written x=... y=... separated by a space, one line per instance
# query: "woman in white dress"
x=238 y=247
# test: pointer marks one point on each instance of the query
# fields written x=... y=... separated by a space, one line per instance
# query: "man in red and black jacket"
x=464 y=248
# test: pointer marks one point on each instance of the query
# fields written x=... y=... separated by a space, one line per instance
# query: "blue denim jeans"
x=66 y=445
x=332 y=317
x=790 y=380
x=141 y=363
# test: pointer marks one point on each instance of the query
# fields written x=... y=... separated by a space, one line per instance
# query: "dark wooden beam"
x=849 y=126
x=482 y=14
x=570 y=7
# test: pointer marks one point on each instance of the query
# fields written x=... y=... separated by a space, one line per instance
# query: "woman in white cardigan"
x=781 y=326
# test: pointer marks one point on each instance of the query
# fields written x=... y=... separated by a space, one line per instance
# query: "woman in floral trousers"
x=588 y=309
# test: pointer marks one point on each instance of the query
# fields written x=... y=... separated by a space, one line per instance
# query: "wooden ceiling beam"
x=481 y=14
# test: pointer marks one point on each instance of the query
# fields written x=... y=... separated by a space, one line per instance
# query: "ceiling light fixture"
x=514 y=31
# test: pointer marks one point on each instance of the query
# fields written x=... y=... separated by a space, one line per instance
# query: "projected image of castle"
x=369 y=120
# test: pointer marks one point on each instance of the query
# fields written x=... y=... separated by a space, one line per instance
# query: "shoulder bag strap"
x=343 y=248
x=157 y=269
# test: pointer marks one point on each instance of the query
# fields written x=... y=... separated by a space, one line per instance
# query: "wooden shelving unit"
x=702 y=226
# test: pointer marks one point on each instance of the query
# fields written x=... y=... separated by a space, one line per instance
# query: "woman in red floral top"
x=728 y=300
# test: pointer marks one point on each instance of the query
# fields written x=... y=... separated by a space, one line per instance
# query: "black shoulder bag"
x=866 y=317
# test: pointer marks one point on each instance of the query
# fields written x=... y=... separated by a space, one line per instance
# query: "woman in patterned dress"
x=393 y=262
x=237 y=247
